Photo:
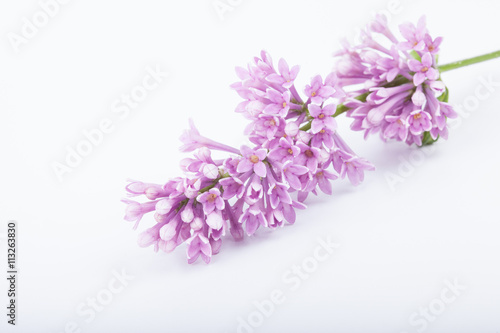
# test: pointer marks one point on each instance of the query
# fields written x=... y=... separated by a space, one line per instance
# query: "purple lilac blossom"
x=296 y=150
x=394 y=85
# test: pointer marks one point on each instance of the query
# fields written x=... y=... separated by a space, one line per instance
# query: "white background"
x=397 y=245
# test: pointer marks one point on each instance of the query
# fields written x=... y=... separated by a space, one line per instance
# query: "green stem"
x=340 y=109
x=470 y=61
x=215 y=182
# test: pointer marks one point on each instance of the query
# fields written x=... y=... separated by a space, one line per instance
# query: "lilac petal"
x=206 y=258
x=298 y=205
x=244 y=166
x=406 y=30
x=197 y=224
x=301 y=196
x=420 y=46
x=132 y=211
x=202 y=198
x=391 y=75
x=317 y=99
x=418 y=98
x=242 y=73
x=275 y=78
x=293 y=181
x=444 y=133
x=427 y=59
x=283 y=194
x=184 y=233
x=421 y=24
x=283 y=67
x=285 y=142
x=391 y=131
x=303 y=136
x=291 y=129
x=326 y=91
x=328 y=140
x=273 y=109
x=447 y=110
x=316 y=125
x=190 y=164
x=217 y=234
x=325 y=185
x=260 y=169
x=136 y=187
x=404 y=46
x=261 y=153
x=204 y=154
x=192 y=259
x=146 y=238
x=193 y=249
x=289 y=213
x=287 y=96
x=295 y=151
x=427 y=124
x=168 y=231
x=167 y=247
x=246 y=151
x=216 y=245
x=295 y=70
x=440 y=121
x=312 y=164
x=437 y=86
x=276 y=154
x=298 y=169
x=187 y=214
x=376 y=115
x=414 y=65
x=219 y=203
x=163 y=206
x=330 y=123
x=437 y=41
x=210 y=171
x=275 y=96
x=315 y=110
x=214 y=220
x=274 y=199
x=354 y=176
x=329 y=110
x=262 y=219
x=251 y=225
x=419 y=78
x=403 y=133
x=432 y=73
x=205 y=247
x=237 y=232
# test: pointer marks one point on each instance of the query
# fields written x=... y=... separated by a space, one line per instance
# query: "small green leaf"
x=415 y=55
x=427 y=140
x=444 y=96
x=363 y=97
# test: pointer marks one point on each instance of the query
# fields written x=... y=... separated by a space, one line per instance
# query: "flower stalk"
x=469 y=61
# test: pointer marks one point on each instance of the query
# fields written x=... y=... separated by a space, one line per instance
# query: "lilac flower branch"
x=296 y=149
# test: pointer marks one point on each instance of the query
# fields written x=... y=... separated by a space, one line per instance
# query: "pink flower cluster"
x=394 y=86
x=295 y=150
